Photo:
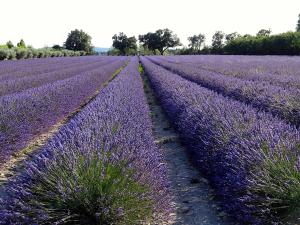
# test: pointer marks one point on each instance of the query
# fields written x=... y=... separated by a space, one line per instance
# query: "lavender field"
x=237 y=119
x=34 y=99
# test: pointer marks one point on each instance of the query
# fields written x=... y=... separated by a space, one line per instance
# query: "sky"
x=47 y=22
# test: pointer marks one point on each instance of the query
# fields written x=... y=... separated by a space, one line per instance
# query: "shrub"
x=53 y=53
x=89 y=189
x=77 y=53
x=29 y=54
x=40 y=54
x=11 y=54
x=58 y=54
x=3 y=54
x=35 y=53
x=65 y=53
x=281 y=44
x=21 y=53
x=276 y=182
x=82 y=53
x=47 y=53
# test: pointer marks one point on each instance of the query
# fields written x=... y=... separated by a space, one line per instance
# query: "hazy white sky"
x=47 y=22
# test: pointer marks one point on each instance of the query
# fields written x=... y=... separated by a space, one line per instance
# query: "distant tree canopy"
x=57 y=47
x=160 y=40
x=263 y=33
x=21 y=44
x=218 y=42
x=298 y=24
x=281 y=44
x=231 y=36
x=78 y=40
x=196 y=41
x=9 y=44
x=263 y=43
x=247 y=35
x=125 y=45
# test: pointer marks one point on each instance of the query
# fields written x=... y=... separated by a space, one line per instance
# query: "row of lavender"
x=38 y=78
x=12 y=72
x=31 y=65
x=28 y=113
x=280 y=101
x=277 y=70
x=250 y=157
x=101 y=168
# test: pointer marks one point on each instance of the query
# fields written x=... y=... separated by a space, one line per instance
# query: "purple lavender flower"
x=243 y=152
x=113 y=130
x=281 y=101
x=28 y=113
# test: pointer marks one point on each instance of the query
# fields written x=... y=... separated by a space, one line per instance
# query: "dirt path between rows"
x=192 y=197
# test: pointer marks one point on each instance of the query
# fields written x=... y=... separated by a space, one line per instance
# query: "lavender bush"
x=101 y=168
x=251 y=158
x=29 y=113
x=11 y=70
x=10 y=86
x=281 y=102
x=277 y=70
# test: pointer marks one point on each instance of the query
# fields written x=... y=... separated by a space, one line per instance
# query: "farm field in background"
x=78 y=139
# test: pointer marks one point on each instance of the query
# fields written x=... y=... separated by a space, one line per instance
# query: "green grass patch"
x=140 y=68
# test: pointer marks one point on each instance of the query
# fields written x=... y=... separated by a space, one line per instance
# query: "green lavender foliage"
x=90 y=190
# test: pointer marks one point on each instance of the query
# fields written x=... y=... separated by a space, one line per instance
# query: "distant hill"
x=98 y=49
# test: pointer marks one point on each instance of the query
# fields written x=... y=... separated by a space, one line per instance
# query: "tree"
x=263 y=33
x=57 y=47
x=247 y=36
x=21 y=44
x=78 y=40
x=196 y=41
x=9 y=44
x=218 y=42
x=231 y=36
x=298 y=24
x=149 y=41
x=124 y=44
x=160 y=40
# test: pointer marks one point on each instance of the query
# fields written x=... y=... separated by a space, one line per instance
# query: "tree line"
x=164 y=40
x=157 y=42
x=78 y=43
